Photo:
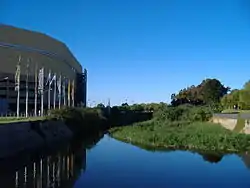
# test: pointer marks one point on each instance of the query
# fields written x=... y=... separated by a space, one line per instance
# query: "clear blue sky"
x=144 y=50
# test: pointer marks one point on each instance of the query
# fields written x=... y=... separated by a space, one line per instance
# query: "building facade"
x=35 y=51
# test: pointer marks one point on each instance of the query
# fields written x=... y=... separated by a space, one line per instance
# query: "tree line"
x=210 y=92
x=237 y=98
x=134 y=107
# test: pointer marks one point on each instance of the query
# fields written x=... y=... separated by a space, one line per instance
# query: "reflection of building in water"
x=61 y=169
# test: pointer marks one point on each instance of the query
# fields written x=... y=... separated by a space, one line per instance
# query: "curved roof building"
x=36 y=50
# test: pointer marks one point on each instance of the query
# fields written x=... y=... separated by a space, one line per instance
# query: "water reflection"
x=211 y=157
x=246 y=159
x=52 y=169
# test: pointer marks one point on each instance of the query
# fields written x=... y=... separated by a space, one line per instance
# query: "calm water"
x=111 y=163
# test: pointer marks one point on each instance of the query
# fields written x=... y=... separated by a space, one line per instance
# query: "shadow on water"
x=54 y=168
x=211 y=157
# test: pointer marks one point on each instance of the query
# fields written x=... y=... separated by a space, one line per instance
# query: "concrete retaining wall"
x=22 y=136
x=230 y=123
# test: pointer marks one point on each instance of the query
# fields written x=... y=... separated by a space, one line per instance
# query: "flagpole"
x=42 y=85
x=27 y=90
x=35 y=113
x=17 y=84
x=54 y=91
x=72 y=93
x=69 y=92
x=49 y=92
x=60 y=91
x=64 y=92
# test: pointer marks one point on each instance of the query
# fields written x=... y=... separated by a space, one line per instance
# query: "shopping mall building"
x=38 y=50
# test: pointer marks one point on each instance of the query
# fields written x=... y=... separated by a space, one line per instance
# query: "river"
x=111 y=163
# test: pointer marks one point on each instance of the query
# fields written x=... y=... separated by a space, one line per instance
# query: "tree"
x=210 y=91
x=213 y=91
x=100 y=105
x=244 y=99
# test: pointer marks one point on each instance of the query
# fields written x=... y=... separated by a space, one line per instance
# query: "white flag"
x=48 y=78
x=17 y=75
x=40 y=79
x=53 y=79
x=59 y=85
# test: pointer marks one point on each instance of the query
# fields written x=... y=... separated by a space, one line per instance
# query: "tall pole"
x=49 y=92
x=17 y=84
x=35 y=113
x=64 y=92
x=69 y=93
x=42 y=85
x=59 y=91
x=54 y=91
x=18 y=101
x=73 y=93
x=27 y=90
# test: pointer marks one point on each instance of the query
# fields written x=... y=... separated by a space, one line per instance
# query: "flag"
x=63 y=87
x=17 y=75
x=53 y=79
x=72 y=90
x=40 y=80
x=69 y=90
x=59 y=85
x=48 y=78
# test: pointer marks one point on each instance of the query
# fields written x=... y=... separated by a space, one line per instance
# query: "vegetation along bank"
x=185 y=123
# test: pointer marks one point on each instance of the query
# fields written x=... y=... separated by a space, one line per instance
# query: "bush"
x=80 y=120
x=184 y=113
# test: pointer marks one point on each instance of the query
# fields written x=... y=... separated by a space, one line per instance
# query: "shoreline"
x=159 y=147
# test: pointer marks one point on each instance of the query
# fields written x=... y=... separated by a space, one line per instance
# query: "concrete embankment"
x=231 y=121
x=25 y=136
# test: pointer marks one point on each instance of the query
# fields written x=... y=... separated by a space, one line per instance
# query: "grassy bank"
x=5 y=120
x=183 y=128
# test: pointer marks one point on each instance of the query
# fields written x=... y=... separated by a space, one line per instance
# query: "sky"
x=144 y=50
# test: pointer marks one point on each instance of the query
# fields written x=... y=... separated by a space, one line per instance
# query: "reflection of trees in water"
x=207 y=156
x=57 y=169
x=211 y=157
x=245 y=158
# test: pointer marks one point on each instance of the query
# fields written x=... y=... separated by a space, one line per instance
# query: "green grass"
x=183 y=135
x=5 y=120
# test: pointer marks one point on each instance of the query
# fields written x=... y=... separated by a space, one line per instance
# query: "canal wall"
x=26 y=136
x=233 y=122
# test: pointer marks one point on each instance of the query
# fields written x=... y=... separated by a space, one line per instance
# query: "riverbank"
x=179 y=135
x=19 y=135
x=28 y=134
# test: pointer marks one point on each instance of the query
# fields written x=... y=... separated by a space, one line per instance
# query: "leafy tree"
x=100 y=105
x=213 y=90
x=210 y=91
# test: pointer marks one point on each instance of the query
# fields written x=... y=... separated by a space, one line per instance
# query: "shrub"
x=183 y=113
x=80 y=120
